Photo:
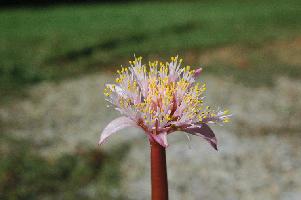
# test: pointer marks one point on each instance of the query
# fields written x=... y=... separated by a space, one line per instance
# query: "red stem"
x=158 y=172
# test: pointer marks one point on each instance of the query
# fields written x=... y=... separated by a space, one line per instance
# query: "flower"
x=160 y=99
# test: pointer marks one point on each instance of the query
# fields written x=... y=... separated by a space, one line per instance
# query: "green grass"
x=260 y=68
x=56 y=42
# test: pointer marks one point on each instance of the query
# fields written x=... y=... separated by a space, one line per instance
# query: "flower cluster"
x=161 y=98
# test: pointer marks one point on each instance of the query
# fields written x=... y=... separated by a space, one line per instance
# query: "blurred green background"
x=54 y=49
x=51 y=43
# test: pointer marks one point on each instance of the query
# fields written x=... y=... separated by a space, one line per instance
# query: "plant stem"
x=158 y=172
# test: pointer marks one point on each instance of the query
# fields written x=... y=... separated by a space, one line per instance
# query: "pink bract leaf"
x=161 y=138
x=114 y=126
x=203 y=131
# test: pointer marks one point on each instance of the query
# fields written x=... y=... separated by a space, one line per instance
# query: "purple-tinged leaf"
x=203 y=131
x=114 y=126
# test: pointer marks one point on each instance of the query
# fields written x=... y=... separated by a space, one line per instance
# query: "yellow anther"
x=226 y=120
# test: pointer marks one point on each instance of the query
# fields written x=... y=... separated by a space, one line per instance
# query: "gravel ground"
x=266 y=167
x=259 y=156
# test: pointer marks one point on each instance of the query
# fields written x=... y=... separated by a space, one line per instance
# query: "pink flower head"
x=161 y=98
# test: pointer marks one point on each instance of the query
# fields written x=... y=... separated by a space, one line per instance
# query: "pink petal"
x=161 y=138
x=203 y=131
x=198 y=72
x=114 y=126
